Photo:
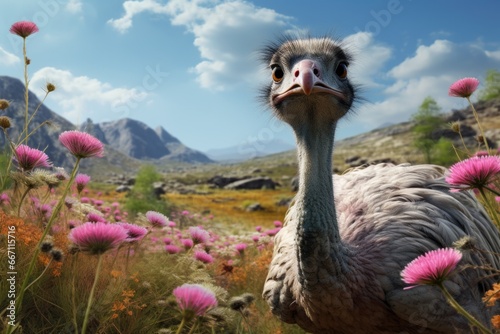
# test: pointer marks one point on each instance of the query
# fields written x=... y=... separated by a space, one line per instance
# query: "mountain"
x=127 y=142
x=248 y=151
x=139 y=141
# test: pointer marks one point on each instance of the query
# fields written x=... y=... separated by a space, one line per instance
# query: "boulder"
x=253 y=183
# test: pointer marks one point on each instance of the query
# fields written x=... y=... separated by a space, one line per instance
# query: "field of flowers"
x=75 y=261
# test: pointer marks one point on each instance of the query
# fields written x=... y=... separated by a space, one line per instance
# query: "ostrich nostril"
x=316 y=72
x=296 y=73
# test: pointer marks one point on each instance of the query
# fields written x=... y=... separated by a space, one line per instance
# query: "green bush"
x=142 y=197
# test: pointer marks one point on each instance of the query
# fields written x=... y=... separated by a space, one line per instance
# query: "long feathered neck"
x=319 y=248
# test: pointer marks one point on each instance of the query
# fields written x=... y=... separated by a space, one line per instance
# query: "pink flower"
x=171 y=224
x=258 y=228
x=240 y=248
x=475 y=172
x=255 y=238
x=194 y=298
x=97 y=238
x=156 y=219
x=198 y=235
x=481 y=154
x=463 y=87
x=81 y=181
x=23 y=28
x=187 y=243
x=29 y=158
x=203 y=256
x=167 y=241
x=277 y=223
x=431 y=268
x=93 y=217
x=172 y=249
x=4 y=198
x=81 y=144
x=134 y=232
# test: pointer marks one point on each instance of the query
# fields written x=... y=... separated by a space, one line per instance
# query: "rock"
x=159 y=189
x=222 y=181
x=254 y=207
x=122 y=189
x=284 y=202
x=253 y=183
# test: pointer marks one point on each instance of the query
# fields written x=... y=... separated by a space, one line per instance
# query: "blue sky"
x=190 y=66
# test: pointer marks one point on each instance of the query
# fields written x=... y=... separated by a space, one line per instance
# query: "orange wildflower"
x=496 y=321
x=491 y=296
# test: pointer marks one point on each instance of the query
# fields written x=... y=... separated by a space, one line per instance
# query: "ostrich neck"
x=320 y=250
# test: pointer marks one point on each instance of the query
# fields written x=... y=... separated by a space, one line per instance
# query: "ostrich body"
x=337 y=260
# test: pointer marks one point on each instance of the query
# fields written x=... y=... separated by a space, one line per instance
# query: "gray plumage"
x=337 y=261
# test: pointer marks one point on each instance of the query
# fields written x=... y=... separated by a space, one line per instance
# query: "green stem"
x=73 y=293
x=246 y=321
x=492 y=190
x=52 y=218
x=473 y=321
x=492 y=210
x=21 y=201
x=479 y=125
x=43 y=272
x=191 y=331
x=91 y=297
x=26 y=94
x=181 y=326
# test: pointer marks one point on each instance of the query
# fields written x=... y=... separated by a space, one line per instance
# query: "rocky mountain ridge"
x=128 y=142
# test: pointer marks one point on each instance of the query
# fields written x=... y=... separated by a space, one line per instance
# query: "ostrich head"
x=310 y=82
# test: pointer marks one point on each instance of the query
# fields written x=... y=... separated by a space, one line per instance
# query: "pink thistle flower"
x=4 y=198
x=431 y=268
x=172 y=249
x=475 y=172
x=29 y=158
x=156 y=219
x=277 y=223
x=185 y=212
x=85 y=200
x=203 y=256
x=81 y=181
x=198 y=235
x=194 y=299
x=93 y=217
x=81 y=144
x=134 y=232
x=258 y=228
x=272 y=232
x=481 y=154
x=97 y=238
x=187 y=243
x=167 y=241
x=463 y=87
x=240 y=248
x=255 y=238
x=171 y=224
x=23 y=28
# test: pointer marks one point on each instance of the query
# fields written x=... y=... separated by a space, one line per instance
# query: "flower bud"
x=4 y=104
x=4 y=122
x=50 y=87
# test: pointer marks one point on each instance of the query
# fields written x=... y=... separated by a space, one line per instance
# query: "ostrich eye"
x=277 y=74
x=341 y=70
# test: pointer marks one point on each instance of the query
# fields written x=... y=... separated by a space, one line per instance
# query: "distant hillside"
x=394 y=142
x=139 y=141
x=248 y=151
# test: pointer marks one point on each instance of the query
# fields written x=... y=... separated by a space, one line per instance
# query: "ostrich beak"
x=307 y=80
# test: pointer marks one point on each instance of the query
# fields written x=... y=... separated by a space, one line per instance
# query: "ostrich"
x=337 y=261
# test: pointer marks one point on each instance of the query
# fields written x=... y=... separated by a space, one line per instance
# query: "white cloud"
x=429 y=72
x=74 y=6
x=226 y=34
x=369 y=58
x=81 y=97
x=7 y=58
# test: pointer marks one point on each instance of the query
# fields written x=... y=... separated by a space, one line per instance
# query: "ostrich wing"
x=392 y=214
